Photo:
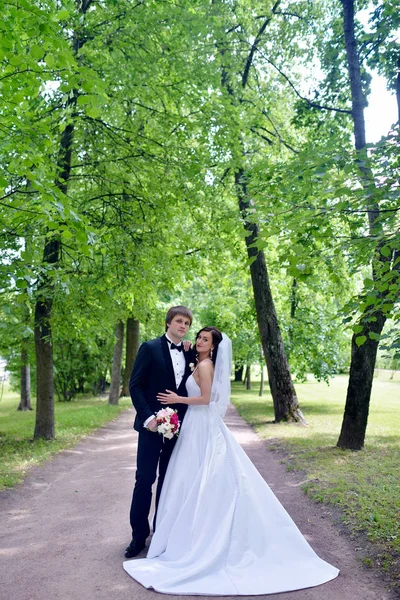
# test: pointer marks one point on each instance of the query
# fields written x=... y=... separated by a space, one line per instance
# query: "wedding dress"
x=220 y=529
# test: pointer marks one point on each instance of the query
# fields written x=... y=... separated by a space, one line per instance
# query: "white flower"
x=191 y=366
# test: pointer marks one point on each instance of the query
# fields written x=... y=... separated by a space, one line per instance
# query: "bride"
x=220 y=529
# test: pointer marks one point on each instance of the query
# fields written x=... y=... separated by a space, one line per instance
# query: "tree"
x=365 y=340
x=25 y=391
x=132 y=347
x=235 y=79
x=16 y=342
x=116 y=365
x=44 y=425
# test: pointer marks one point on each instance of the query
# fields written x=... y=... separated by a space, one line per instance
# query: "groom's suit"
x=152 y=373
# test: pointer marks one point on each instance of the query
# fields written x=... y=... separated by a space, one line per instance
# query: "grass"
x=75 y=419
x=363 y=485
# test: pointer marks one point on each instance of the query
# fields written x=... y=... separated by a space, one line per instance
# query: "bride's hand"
x=187 y=345
x=168 y=398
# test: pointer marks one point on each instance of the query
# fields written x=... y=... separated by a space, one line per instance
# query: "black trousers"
x=152 y=452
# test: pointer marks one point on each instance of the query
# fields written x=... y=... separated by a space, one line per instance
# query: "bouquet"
x=168 y=422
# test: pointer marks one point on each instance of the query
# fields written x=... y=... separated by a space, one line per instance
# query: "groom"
x=160 y=364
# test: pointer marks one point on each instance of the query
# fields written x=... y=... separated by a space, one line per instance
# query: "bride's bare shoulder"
x=206 y=366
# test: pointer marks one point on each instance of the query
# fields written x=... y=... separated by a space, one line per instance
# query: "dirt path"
x=64 y=529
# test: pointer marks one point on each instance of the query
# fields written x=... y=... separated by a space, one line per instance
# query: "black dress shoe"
x=134 y=548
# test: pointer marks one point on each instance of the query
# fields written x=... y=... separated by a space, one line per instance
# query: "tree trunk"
x=239 y=373
x=261 y=392
x=113 y=397
x=248 y=378
x=99 y=387
x=245 y=375
x=25 y=369
x=25 y=381
x=44 y=425
x=362 y=366
x=132 y=347
x=293 y=307
x=363 y=357
x=44 y=303
x=286 y=406
x=398 y=90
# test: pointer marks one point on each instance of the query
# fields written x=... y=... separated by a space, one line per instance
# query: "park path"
x=63 y=531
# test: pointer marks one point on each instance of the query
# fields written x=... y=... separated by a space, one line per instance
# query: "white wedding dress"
x=220 y=529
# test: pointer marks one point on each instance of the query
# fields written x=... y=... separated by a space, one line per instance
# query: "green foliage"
x=16 y=332
x=381 y=46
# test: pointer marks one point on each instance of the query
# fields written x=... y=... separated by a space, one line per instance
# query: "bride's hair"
x=216 y=339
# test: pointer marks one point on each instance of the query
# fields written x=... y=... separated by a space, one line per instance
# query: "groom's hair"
x=177 y=310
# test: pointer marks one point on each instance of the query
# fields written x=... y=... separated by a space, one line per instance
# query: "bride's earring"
x=211 y=353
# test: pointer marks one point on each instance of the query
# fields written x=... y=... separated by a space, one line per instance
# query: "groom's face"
x=179 y=326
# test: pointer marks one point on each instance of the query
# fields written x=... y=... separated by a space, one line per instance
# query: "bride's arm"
x=205 y=371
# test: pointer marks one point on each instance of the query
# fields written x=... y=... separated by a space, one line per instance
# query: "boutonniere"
x=191 y=366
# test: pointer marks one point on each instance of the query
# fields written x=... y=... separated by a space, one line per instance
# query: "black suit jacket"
x=153 y=373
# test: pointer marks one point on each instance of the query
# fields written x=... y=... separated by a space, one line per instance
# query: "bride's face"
x=204 y=342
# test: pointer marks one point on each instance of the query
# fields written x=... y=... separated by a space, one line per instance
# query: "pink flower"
x=162 y=413
x=174 y=419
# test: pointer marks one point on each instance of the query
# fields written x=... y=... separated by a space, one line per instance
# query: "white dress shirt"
x=178 y=361
x=179 y=366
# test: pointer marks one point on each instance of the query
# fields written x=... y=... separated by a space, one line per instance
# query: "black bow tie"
x=174 y=347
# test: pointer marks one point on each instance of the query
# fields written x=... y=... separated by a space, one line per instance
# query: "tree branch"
x=309 y=102
x=257 y=40
x=30 y=71
x=263 y=137
x=289 y=14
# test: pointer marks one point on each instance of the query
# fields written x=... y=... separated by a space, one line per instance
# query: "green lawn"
x=75 y=419
x=364 y=485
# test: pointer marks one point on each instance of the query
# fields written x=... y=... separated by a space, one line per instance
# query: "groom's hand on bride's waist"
x=168 y=397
